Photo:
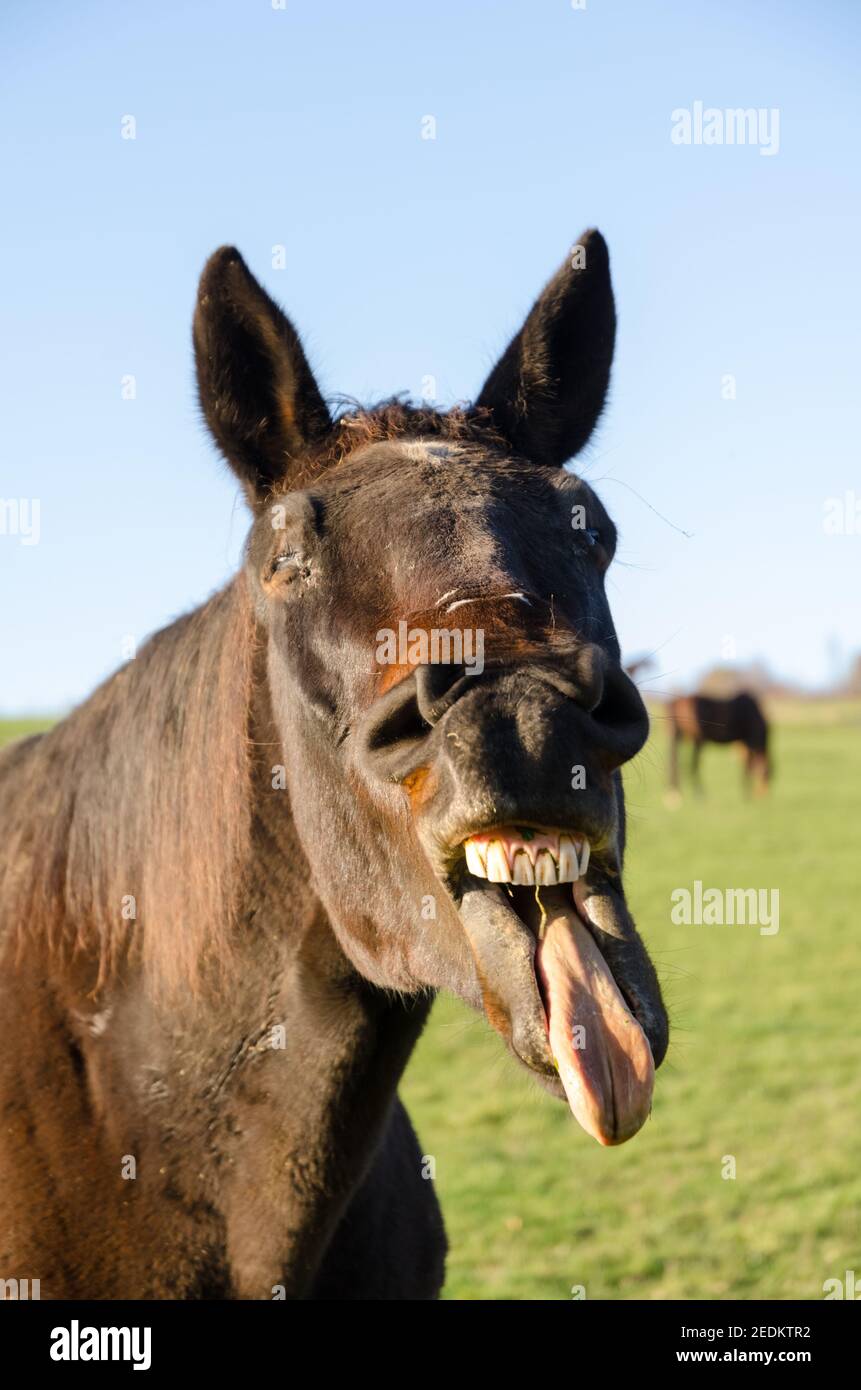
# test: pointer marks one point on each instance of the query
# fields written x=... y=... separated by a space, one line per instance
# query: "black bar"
x=245 y=1338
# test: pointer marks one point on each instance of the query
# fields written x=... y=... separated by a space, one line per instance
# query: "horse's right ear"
x=257 y=392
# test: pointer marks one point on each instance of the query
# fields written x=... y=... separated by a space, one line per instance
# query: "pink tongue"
x=603 y=1055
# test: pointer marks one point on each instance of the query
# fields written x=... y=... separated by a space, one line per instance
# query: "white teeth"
x=475 y=859
x=545 y=868
x=569 y=869
x=497 y=863
x=529 y=864
x=584 y=857
x=522 y=871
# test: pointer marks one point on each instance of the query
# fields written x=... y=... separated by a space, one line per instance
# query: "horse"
x=702 y=719
x=233 y=880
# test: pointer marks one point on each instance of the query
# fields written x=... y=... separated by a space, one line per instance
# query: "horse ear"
x=546 y=392
x=257 y=392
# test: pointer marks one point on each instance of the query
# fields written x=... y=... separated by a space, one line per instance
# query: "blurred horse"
x=701 y=719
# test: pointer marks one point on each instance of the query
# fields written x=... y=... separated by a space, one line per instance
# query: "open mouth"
x=564 y=975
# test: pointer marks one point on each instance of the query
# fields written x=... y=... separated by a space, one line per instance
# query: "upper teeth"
x=550 y=859
x=497 y=869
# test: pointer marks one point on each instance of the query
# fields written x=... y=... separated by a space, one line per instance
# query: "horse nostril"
x=394 y=735
x=621 y=717
x=438 y=686
x=394 y=721
x=582 y=680
x=618 y=718
x=591 y=663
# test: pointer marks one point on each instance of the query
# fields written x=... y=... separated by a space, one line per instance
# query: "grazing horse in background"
x=702 y=719
x=232 y=880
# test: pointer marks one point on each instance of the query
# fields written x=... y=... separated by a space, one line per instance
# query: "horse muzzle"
x=515 y=793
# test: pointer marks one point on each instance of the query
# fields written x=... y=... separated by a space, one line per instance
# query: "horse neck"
x=279 y=892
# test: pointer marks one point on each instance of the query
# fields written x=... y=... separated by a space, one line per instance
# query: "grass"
x=764 y=1066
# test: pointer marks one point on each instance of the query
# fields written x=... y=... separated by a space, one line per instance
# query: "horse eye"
x=283 y=562
x=592 y=535
x=292 y=564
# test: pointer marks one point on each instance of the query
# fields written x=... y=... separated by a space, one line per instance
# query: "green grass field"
x=764 y=1065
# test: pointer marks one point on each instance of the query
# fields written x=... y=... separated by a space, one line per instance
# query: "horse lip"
x=503 y=947
x=504 y=951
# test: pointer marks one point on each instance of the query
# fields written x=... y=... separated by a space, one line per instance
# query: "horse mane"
x=139 y=803
x=396 y=418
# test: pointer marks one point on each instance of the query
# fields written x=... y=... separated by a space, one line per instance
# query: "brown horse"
x=233 y=879
x=701 y=719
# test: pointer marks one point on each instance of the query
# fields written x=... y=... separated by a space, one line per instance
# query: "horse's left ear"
x=546 y=392
x=258 y=393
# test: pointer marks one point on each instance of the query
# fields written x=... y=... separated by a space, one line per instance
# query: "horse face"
x=445 y=678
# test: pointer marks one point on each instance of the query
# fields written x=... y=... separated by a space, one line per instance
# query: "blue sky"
x=408 y=258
